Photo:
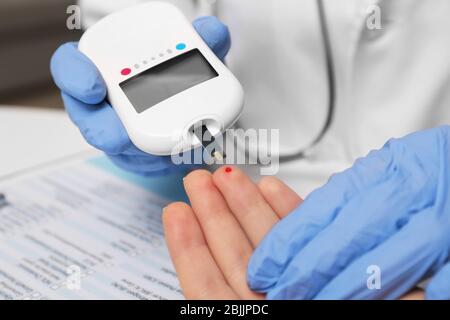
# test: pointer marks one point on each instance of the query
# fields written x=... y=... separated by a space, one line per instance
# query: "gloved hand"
x=83 y=92
x=391 y=210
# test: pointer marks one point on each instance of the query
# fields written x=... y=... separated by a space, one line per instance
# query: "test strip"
x=209 y=143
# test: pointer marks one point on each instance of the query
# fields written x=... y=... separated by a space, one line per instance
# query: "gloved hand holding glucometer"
x=164 y=82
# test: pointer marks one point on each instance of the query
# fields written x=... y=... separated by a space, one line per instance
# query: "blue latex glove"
x=391 y=209
x=439 y=287
x=83 y=92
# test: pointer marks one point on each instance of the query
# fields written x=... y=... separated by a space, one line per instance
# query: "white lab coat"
x=390 y=82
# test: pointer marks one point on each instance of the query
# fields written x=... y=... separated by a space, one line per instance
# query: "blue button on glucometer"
x=181 y=46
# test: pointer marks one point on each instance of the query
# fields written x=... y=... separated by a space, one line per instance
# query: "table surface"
x=30 y=136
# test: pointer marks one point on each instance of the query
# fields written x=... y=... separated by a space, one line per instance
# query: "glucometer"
x=164 y=82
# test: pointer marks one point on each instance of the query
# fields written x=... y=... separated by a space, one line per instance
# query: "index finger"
x=246 y=202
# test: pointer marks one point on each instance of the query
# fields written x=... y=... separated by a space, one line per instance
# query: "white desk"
x=32 y=136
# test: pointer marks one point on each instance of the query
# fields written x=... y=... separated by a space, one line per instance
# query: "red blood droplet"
x=228 y=169
x=125 y=71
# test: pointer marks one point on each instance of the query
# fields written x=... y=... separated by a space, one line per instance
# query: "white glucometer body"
x=162 y=79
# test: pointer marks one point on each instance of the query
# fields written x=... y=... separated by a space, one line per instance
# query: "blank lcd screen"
x=156 y=84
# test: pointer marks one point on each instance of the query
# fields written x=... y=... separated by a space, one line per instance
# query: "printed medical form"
x=83 y=229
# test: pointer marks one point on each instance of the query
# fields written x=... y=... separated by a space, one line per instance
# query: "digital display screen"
x=173 y=76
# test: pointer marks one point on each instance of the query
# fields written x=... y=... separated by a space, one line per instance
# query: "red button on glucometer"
x=125 y=71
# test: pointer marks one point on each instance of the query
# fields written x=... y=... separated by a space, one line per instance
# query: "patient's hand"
x=211 y=242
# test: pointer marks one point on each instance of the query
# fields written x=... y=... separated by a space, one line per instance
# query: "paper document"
x=84 y=229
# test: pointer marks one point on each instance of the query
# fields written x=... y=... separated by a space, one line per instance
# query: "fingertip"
x=272 y=184
x=215 y=34
x=75 y=74
x=271 y=187
x=198 y=173
x=281 y=198
x=175 y=214
x=197 y=178
x=228 y=178
x=225 y=173
x=266 y=182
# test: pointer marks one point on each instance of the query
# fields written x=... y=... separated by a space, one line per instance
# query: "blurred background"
x=30 y=31
x=34 y=129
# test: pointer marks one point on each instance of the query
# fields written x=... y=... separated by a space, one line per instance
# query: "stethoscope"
x=303 y=152
x=330 y=71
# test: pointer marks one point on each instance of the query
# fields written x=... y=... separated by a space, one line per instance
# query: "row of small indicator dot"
x=127 y=71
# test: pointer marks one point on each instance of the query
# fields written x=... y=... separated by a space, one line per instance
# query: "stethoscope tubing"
x=331 y=79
